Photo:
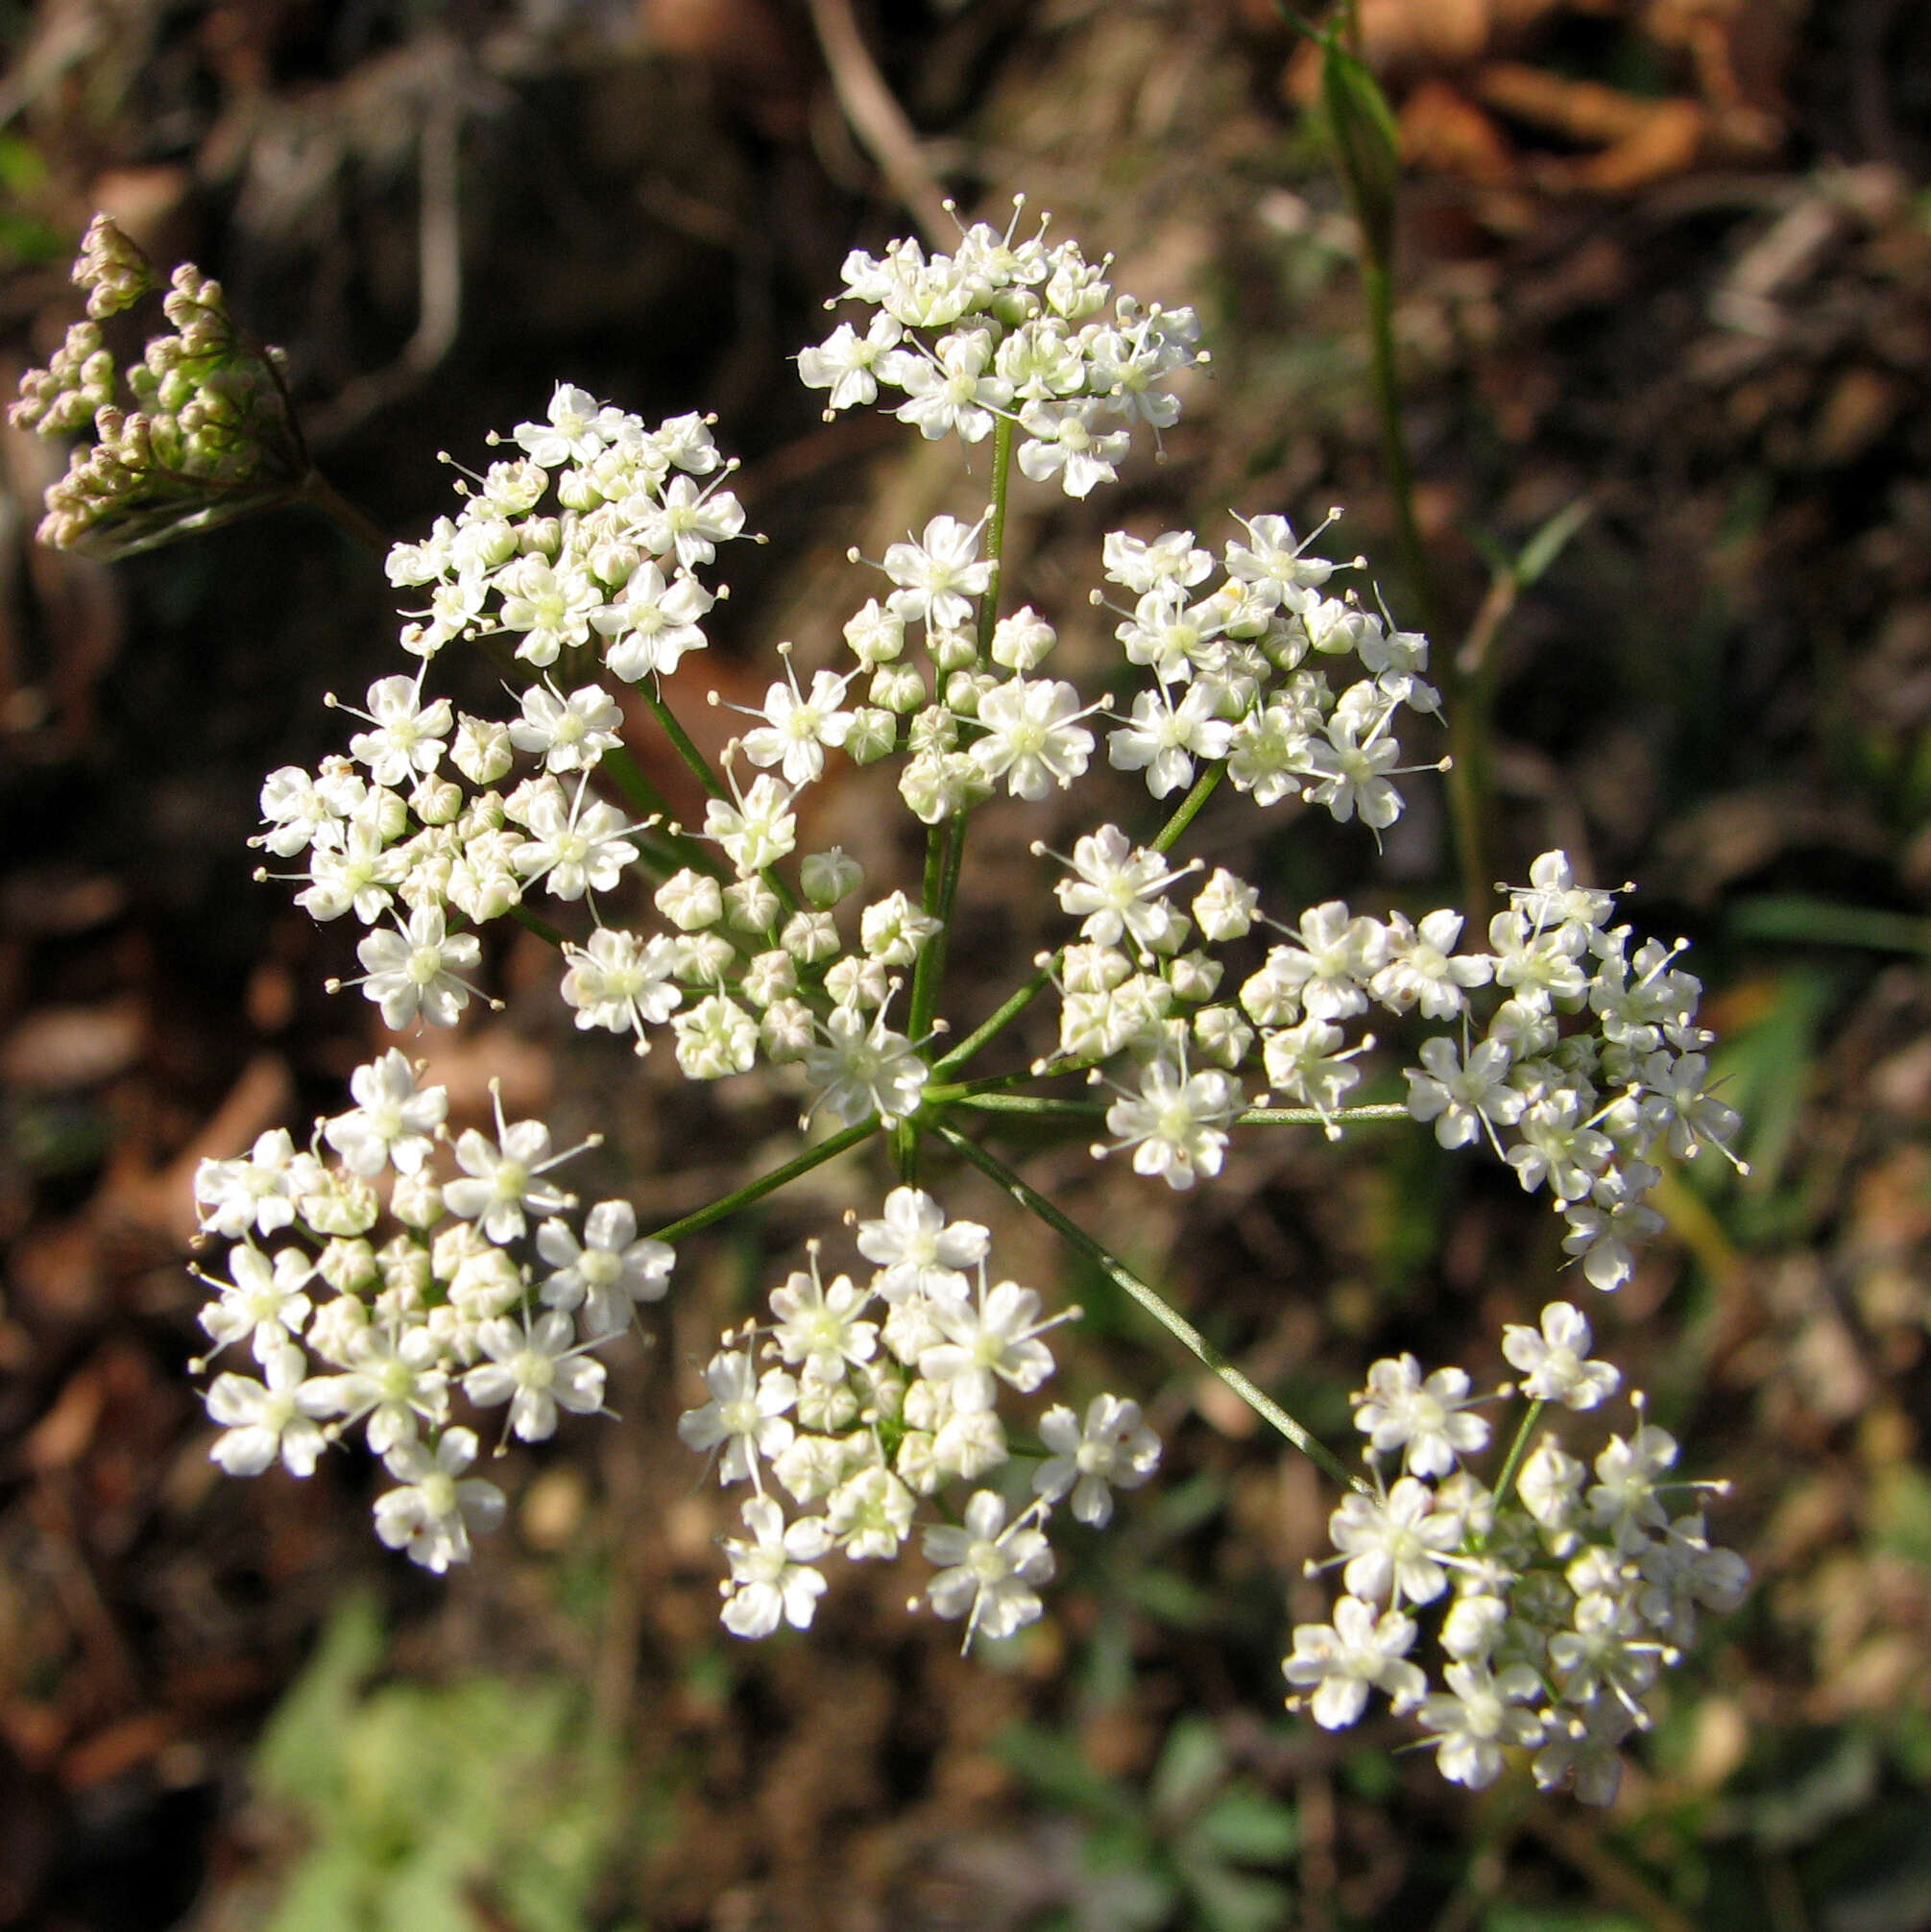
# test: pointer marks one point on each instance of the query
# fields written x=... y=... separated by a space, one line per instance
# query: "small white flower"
x=1356 y=1652
x=568 y=734
x=988 y=1569
x=276 y=1417
x=1176 y=1123
x=536 y=1367
x=1113 y=1449
x=996 y=1337
x=1554 y=1362
x=1112 y=891
x=1426 y=1420
x=939 y=574
x=818 y=1326
x=415 y=970
x=1163 y=738
x=262 y=1299
x=745 y=1415
x=407 y=736
x=798 y=726
x=652 y=624
x=919 y=1252
x=431 y=1515
x=845 y=361
x=610 y=1273
x=1394 y=1543
x=1033 y=739
x=1477 y=1716
x=756 y=828
x=771 y=1578
x=502 y=1180
x=394 y=1123
x=859 y=1067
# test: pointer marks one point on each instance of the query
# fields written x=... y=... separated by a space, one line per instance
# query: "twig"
x=875 y=118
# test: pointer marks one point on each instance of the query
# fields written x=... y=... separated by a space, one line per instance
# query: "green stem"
x=1469 y=679
x=769 y=1183
x=1156 y=1305
x=533 y=923
x=318 y=490
x=995 y=531
x=996 y=1022
x=1313 y=1116
x=988 y=1029
x=1518 y=1452
x=1189 y=809
x=699 y=764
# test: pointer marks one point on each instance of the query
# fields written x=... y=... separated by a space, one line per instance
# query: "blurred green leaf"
x=1367 y=148
x=1801 y=920
x=1247 y=1826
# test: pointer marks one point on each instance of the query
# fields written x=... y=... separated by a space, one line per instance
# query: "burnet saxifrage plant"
x=391 y=1281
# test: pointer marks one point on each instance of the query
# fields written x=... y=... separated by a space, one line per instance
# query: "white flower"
x=394 y=1123
x=1477 y=1716
x=265 y=1299
x=756 y=828
x=577 y=846
x=265 y=1421
x=1176 y=1124
x=844 y=362
x=690 y=522
x=939 y=574
x=1274 y=563
x=798 y=726
x=1112 y=892
x=950 y=391
x=919 y=1252
x=1422 y=969
x=537 y=1368
x=1112 y=1450
x=570 y=436
x=1394 y=1543
x=431 y=1515
x=391 y=1376
x=407 y=736
x=1428 y=1420
x=1554 y=1362
x=745 y=1415
x=996 y=1337
x=858 y=1066
x=819 y=1327
x=714 y=1038
x=652 y=624
x=415 y=970
x=870 y=1513
x=260 y=1192
x=502 y=1179
x=1358 y=1651
x=988 y=1569
x=1163 y=738
x=553 y=608
x=1463 y=1100
x=771 y=1578
x=622 y=982
x=567 y=734
x=1033 y=739
x=610 y=1273
x=1066 y=440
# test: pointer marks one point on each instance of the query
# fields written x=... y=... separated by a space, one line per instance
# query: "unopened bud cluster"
x=1557 y=1600
x=211 y=435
